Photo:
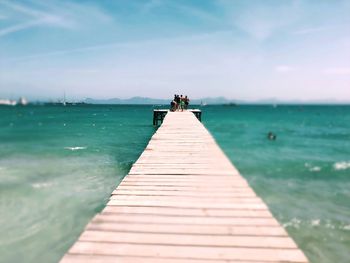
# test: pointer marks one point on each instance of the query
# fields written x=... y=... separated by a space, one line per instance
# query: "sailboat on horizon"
x=64 y=99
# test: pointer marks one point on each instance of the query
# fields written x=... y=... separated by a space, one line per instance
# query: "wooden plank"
x=183 y=193
x=188 y=240
x=202 y=184
x=138 y=198
x=80 y=258
x=218 y=189
x=188 y=252
x=216 y=205
x=186 y=212
x=193 y=220
x=97 y=224
x=186 y=177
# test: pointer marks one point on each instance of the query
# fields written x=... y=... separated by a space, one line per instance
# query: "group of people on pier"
x=179 y=103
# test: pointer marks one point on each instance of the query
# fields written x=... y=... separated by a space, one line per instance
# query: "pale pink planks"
x=184 y=201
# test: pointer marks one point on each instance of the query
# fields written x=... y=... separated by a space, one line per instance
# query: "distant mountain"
x=216 y=100
x=133 y=100
x=210 y=101
x=152 y=101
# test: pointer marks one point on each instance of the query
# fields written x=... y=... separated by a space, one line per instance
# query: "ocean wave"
x=317 y=222
x=341 y=165
x=76 y=148
x=312 y=168
x=315 y=169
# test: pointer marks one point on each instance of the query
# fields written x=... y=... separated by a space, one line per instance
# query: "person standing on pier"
x=187 y=101
x=173 y=105
x=177 y=100
x=182 y=103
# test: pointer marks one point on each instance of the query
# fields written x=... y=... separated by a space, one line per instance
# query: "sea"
x=58 y=166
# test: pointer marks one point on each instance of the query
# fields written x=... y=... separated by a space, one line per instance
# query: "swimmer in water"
x=271 y=136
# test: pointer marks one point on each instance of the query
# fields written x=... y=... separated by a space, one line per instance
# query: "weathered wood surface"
x=183 y=201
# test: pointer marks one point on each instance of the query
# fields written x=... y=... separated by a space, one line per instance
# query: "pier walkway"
x=183 y=201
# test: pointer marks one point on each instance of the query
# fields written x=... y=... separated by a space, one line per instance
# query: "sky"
x=248 y=50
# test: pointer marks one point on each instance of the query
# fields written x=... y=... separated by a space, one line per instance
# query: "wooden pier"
x=184 y=201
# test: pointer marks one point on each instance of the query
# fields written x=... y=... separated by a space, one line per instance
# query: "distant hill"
x=133 y=100
x=210 y=101
x=152 y=101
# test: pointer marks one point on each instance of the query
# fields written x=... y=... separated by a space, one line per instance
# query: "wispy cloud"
x=181 y=8
x=51 y=14
x=184 y=39
x=33 y=17
x=337 y=71
x=198 y=13
x=261 y=21
x=284 y=68
x=311 y=30
x=19 y=27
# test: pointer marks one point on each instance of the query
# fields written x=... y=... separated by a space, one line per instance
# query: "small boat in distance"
x=7 y=102
x=64 y=99
x=22 y=101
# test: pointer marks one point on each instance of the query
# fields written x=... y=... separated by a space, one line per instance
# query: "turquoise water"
x=58 y=166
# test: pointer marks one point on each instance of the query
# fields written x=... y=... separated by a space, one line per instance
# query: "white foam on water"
x=312 y=168
x=347 y=227
x=341 y=165
x=315 y=169
x=76 y=148
x=330 y=225
x=41 y=185
x=315 y=222
x=295 y=222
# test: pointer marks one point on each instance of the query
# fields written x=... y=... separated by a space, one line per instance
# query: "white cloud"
x=337 y=71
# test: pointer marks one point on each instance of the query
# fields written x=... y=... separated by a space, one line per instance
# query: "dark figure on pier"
x=177 y=100
x=187 y=101
x=173 y=105
x=271 y=136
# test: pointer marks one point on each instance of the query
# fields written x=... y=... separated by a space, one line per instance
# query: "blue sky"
x=284 y=49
